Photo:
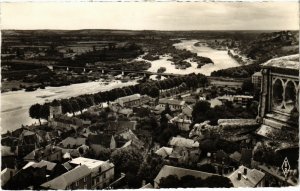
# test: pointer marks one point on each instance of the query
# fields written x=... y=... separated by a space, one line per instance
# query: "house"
x=49 y=153
x=117 y=127
x=23 y=150
x=242 y=99
x=179 y=172
x=30 y=177
x=72 y=142
x=183 y=142
x=130 y=136
x=183 y=124
x=129 y=101
x=101 y=141
x=64 y=121
x=77 y=178
x=245 y=177
x=174 y=104
x=102 y=172
x=52 y=169
x=183 y=155
x=28 y=138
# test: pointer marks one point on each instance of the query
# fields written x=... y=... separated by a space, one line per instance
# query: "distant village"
x=179 y=139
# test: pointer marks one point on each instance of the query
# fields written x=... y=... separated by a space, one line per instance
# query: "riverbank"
x=15 y=105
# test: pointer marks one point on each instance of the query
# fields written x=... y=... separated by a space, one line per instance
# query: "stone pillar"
x=264 y=95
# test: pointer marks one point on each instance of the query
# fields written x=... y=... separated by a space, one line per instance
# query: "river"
x=220 y=58
x=15 y=105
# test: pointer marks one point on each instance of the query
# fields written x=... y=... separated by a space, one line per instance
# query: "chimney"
x=239 y=175
x=245 y=171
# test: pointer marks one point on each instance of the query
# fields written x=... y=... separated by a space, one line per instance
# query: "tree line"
x=151 y=88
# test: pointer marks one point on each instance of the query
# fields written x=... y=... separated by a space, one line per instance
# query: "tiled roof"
x=92 y=164
x=49 y=149
x=119 y=126
x=64 y=180
x=100 y=139
x=183 y=142
x=285 y=62
x=180 y=172
x=49 y=165
x=130 y=98
x=251 y=179
x=171 y=101
x=73 y=141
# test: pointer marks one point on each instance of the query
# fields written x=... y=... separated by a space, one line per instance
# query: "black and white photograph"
x=106 y=95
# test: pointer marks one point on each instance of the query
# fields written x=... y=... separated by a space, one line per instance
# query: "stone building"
x=279 y=99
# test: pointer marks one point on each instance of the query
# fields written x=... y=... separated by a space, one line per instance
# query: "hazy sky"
x=153 y=16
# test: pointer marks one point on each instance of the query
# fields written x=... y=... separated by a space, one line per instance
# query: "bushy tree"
x=171 y=181
x=151 y=167
x=200 y=108
x=35 y=112
x=126 y=159
x=217 y=182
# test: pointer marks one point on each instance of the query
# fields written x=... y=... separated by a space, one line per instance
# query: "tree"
x=75 y=106
x=153 y=91
x=151 y=167
x=82 y=104
x=45 y=111
x=35 y=112
x=125 y=159
x=170 y=181
x=90 y=100
x=133 y=181
x=189 y=181
x=207 y=168
x=200 y=108
x=215 y=181
x=103 y=154
x=66 y=106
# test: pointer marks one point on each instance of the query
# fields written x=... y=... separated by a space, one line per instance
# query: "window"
x=104 y=175
x=290 y=95
x=85 y=186
x=277 y=93
x=85 y=179
x=98 y=179
x=76 y=183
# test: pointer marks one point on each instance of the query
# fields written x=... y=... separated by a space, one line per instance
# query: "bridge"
x=105 y=70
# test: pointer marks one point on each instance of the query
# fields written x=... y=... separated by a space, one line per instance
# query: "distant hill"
x=266 y=46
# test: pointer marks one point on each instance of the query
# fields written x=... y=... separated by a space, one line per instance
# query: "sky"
x=152 y=16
